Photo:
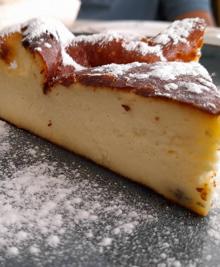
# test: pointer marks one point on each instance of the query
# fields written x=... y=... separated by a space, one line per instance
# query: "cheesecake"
x=147 y=114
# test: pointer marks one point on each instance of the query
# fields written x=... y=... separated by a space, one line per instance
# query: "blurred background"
x=216 y=11
x=14 y=11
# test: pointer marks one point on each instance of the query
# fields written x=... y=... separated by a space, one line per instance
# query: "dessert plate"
x=58 y=209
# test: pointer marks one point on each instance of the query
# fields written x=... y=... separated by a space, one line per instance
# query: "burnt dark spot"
x=157 y=118
x=126 y=107
x=23 y=29
x=203 y=192
x=214 y=183
x=49 y=123
x=26 y=43
x=208 y=133
x=199 y=189
x=46 y=88
x=51 y=36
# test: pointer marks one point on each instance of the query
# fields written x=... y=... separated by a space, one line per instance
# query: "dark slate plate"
x=160 y=234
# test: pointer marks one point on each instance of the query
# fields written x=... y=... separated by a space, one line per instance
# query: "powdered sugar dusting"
x=52 y=209
x=172 y=70
x=4 y=132
x=103 y=38
x=11 y=29
x=39 y=203
x=13 y=251
x=37 y=27
x=53 y=241
x=171 y=86
x=115 y=69
x=129 y=43
x=179 y=31
x=194 y=87
x=144 y=49
x=68 y=61
x=161 y=70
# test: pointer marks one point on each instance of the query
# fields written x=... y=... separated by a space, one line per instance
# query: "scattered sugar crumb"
x=208 y=257
x=32 y=152
x=106 y=242
x=89 y=234
x=13 y=251
x=3 y=129
x=22 y=236
x=171 y=86
x=39 y=49
x=39 y=202
x=34 y=250
x=4 y=132
x=53 y=241
x=47 y=45
x=13 y=65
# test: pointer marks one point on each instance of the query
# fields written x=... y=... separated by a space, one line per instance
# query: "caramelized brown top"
x=144 y=65
x=187 y=83
x=179 y=42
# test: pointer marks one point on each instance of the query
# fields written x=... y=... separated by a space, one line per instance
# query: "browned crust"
x=154 y=87
x=101 y=53
x=55 y=72
x=7 y=51
x=97 y=54
x=184 y=51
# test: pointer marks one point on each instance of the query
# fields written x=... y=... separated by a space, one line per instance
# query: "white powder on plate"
x=13 y=251
x=53 y=241
x=106 y=242
x=42 y=204
x=38 y=203
x=4 y=132
x=34 y=250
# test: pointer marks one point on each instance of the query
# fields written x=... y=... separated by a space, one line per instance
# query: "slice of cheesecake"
x=157 y=124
